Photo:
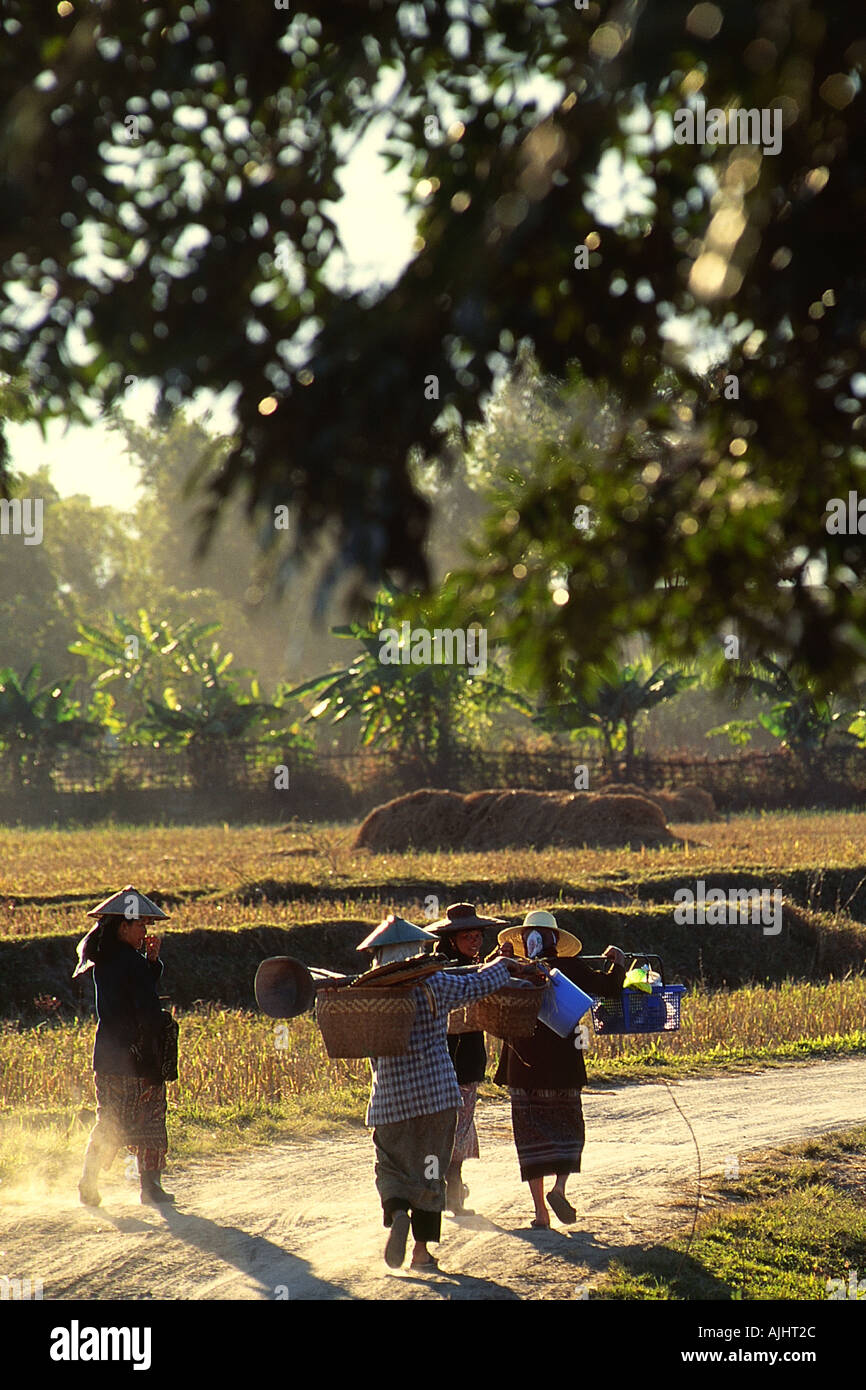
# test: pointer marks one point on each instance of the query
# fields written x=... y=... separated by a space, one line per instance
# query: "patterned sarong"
x=466 y=1138
x=548 y=1131
x=129 y=1111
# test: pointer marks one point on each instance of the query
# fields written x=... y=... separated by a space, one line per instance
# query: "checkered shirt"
x=422 y=1081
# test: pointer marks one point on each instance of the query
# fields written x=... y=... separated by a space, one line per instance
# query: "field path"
x=302 y=1219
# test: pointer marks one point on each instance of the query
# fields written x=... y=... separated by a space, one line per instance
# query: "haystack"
x=686 y=803
x=702 y=804
x=612 y=820
x=501 y=819
x=427 y=819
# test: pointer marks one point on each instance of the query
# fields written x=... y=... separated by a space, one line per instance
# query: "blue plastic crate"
x=637 y=1012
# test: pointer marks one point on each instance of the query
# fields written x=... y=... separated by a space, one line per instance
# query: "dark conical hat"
x=394 y=931
x=128 y=903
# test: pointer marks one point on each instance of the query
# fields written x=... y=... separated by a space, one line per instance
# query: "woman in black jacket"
x=130 y=1090
x=461 y=934
x=545 y=1073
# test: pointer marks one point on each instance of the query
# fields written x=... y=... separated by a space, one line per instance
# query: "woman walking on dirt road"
x=127 y=1055
x=415 y=1098
x=545 y=1073
x=461 y=936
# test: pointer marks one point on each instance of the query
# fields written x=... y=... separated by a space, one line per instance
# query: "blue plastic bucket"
x=564 y=1005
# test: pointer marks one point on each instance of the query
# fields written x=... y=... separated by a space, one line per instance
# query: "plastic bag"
x=638 y=978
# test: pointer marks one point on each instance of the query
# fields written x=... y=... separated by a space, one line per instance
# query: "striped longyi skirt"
x=549 y=1132
x=466 y=1137
x=130 y=1112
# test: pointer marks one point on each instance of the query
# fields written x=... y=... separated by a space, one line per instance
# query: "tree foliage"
x=798 y=717
x=709 y=507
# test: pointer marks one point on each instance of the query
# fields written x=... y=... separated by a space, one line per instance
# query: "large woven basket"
x=365 y=1022
x=510 y=1012
x=463 y=1021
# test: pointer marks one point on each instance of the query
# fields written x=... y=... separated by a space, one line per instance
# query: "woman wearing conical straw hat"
x=130 y=1089
x=415 y=1098
x=545 y=1073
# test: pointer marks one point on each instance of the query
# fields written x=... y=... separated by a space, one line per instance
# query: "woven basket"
x=509 y=1013
x=464 y=1021
x=365 y=1022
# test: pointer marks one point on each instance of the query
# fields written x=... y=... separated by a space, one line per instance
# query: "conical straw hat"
x=394 y=931
x=128 y=903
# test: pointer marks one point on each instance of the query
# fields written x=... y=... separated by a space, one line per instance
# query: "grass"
x=795 y=1220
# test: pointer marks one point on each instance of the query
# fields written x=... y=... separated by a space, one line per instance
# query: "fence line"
x=837 y=776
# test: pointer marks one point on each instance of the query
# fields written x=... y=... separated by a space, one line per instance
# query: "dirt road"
x=301 y=1220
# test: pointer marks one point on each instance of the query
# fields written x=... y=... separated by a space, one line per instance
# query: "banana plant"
x=426 y=711
x=142 y=653
x=207 y=722
x=799 y=719
x=37 y=720
x=616 y=697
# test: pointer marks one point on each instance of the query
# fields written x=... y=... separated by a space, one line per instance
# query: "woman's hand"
x=151 y=947
x=526 y=969
x=615 y=954
x=499 y=952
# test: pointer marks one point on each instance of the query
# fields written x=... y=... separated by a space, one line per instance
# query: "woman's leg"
x=574 y=1137
x=536 y=1187
x=149 y=1141
x=105 y=1139
x=558 y=1200
x=465 y=1144
x=454 y=1187
x=426 y=1226
x=395 y=1215
x=412 y=1157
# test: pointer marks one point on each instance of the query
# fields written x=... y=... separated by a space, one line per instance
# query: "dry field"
x=65 y=864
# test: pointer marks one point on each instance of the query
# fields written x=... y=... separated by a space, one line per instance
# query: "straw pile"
x=500 y=819
x=420 y=820
x=687 y=803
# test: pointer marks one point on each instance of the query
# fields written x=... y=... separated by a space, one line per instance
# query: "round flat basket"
x=365 y=1022
x=511 y=1012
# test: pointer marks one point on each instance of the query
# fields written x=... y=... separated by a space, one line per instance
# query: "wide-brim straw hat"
x=566 y=944
x=128 y=903
x=463 y=917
